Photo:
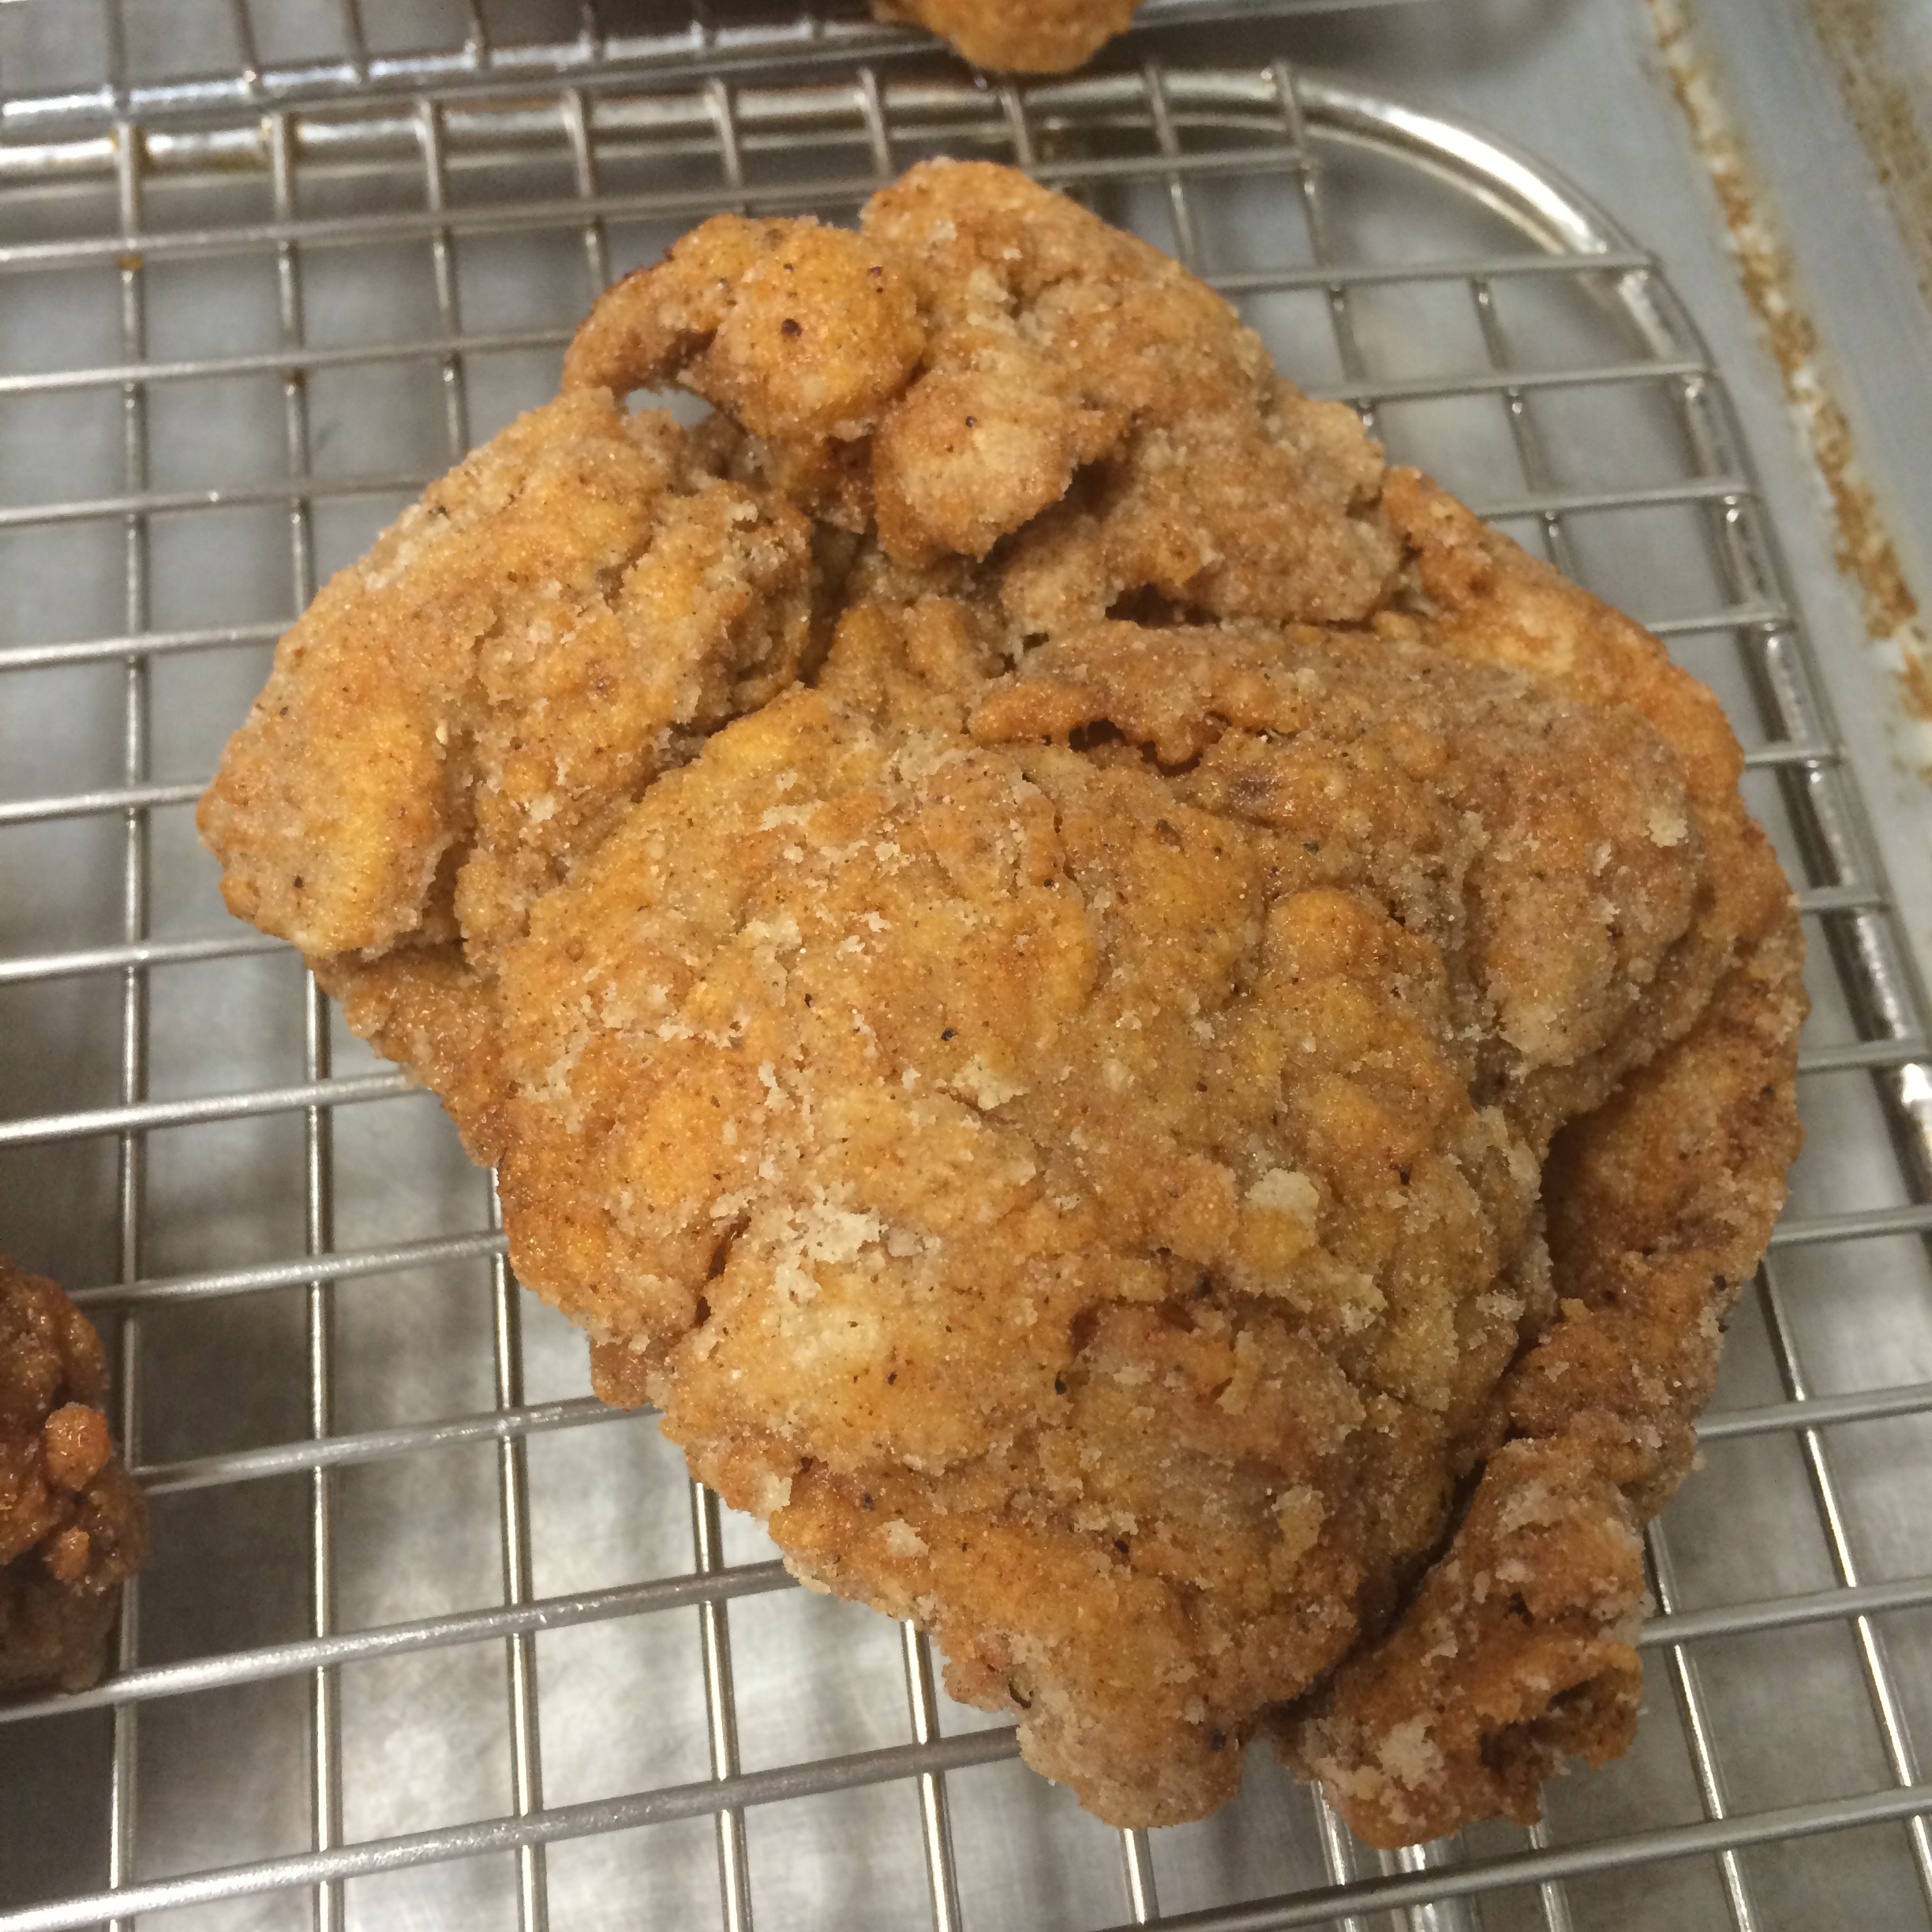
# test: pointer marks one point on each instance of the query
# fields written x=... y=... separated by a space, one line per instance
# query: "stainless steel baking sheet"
x=428 y=1638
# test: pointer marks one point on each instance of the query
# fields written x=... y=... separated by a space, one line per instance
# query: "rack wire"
x=429 y=1637
x=194 y=55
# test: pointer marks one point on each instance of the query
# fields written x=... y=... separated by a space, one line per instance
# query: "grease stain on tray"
x=1861 y=541
x=1883 y=52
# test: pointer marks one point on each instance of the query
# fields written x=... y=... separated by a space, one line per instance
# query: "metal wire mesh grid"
x=173 y=57
x=229 y=349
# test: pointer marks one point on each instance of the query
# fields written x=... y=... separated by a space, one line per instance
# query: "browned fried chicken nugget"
x=72 y=1526
x=1161 y=1051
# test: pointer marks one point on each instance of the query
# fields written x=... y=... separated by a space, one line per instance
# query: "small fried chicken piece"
x=1023 y=36
x=1159 y=1051
x=71 y=1524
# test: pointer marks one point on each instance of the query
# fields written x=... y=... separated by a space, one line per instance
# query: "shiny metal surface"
x=429 y=1637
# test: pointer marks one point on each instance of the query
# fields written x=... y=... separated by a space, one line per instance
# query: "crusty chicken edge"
x=1518 y=1650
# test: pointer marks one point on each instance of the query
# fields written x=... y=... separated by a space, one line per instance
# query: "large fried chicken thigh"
x=1162 y=1052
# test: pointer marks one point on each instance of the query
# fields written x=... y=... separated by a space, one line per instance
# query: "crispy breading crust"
x=1159 y=1049
x=552 y=625
x=1518 y=1651
x=73 y=1525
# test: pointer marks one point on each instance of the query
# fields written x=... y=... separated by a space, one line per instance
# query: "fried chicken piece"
x=1159 y=1051
x=1018 y=36
x=73 y=1525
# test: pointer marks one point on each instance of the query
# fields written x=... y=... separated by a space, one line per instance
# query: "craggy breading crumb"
x=71 y=1524
x=1159 y=1049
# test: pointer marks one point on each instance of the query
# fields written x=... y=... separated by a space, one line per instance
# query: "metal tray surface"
x=428 y=1638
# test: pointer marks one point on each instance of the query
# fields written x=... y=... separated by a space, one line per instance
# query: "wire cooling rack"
x=428 y=1638
x=175 y=56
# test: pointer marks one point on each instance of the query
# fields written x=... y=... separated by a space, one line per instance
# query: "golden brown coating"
x=1158 y=1050
x=1022 y=37
x=72 y=1526
x=470 y=705
x=1518 y=1651
x=1021 y=340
